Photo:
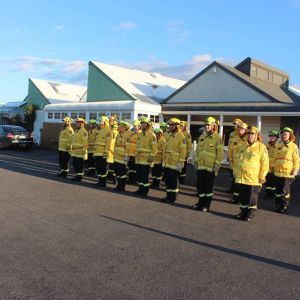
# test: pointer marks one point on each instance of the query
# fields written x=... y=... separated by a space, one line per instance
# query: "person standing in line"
x=79 y=149
x=271 y=147
x=286 y=167
x=121 y=156
x=233 y=150
x=101 y=150
x=251 y=168
x=188 y=138
x=64 y=147
x=173 y=159
x=132 y=140
x=157 y=161
x=208 y=157
x=233 y=136
x=113 y=123
x=90 y=163
x=146 y=149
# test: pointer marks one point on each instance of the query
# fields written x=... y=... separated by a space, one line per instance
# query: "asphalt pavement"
x=66 y=240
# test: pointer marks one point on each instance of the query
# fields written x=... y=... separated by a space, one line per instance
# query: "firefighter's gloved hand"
x=216 y=168
x=150 y=159
x=179 y=167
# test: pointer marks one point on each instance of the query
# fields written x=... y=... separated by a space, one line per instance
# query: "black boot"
x=241 y=215
x=77 y=178
x=207 y=202
x=101 y=182
x=139 y=191
x=155 y=183
x=145 y=191
x=249 y=215
x=167 y=199
x=200 y=204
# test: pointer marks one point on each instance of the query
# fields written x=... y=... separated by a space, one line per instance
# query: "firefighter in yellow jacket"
x=101 y=150
x=113 y=124
x=121 y=156
x=233 y=135
x=173 y=159
x=188 y=139
x=90 y=163
x=208 y=157
x=79 y=146
x=271 y=147
x=156 y=171
x=64 y=147
x=146 y=149
x=132 y=140
x=286 y=167
x=251 y=168
x=233 y=149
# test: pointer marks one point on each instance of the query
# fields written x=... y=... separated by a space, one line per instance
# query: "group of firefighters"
x=124 y=154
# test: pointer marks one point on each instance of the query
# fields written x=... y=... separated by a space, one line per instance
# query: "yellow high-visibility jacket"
x=232 y=136
x=110 y=157
x=188 y=139
x=209 y=152
x=252 y=164
x=175 y=151
x=166 y=135
x=92 y=137
x=236 y=143
x=271 y=152
x=131 y=141
x=158 y=158
x=286 y=160
x=64 y=139
x=146 y=146
x=120 y=148
x=79 y=143
x=102 y=142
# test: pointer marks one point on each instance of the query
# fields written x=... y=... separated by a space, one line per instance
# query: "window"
x=63 y=115
x=82 y=115
x=93 y=116
x=154 y=118
x=74 y=115
x=126 y=116
x=102 y=114
x=50 y=115
x=142 y=115
x=57 y=115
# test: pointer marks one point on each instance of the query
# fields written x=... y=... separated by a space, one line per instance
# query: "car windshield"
x=14 y=129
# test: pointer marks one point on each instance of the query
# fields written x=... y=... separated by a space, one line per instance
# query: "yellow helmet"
x=136 y=122
x=237 y=121
x=174 y=121
x=253 y=129
x=67 y=120
x=288 y=129
x=80 y=120
x=144 y=120
x=210 y=121
x=242 y=125
x=104 y=119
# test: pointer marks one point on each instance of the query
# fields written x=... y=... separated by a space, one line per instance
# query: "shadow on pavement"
x=254 y=257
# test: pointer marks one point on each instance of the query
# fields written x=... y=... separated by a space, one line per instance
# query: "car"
x=12 y=136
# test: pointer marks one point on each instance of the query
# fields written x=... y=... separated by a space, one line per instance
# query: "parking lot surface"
x=66 y=240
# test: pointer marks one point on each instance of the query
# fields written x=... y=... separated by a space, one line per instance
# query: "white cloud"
x=124 y=26
x=48 y=68
x=175 y=28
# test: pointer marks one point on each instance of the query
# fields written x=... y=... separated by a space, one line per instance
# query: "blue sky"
x=55 y=40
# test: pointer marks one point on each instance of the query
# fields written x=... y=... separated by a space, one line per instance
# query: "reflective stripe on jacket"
x=209 y=151
x=286 y=160
x=252 y=164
